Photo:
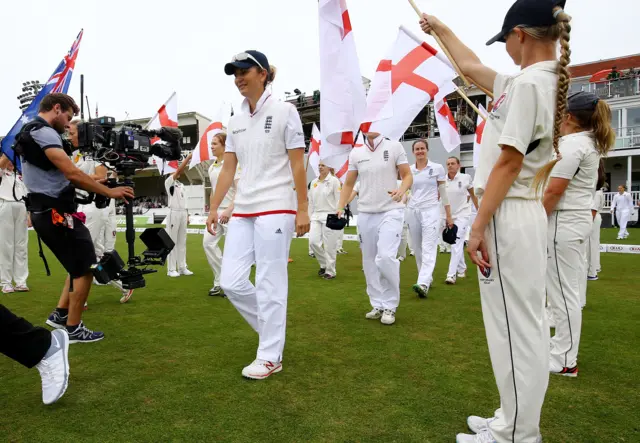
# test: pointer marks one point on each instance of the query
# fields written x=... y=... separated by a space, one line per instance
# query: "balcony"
x=628 y=138
x=623 y=87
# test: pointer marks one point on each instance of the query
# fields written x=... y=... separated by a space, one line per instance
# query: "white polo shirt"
x=261 y=141
x=214 y=173
x=522 y=117
x=598 y=201
x=458 y=193
x=622 y=202
x=324 y=196
x=378 y=171
x=579 y=164
x=177 y=200
x=424 y=192
x=6 y=186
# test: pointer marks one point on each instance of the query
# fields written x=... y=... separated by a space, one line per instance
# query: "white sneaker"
x=185 y=271
x=462 y=275
x=173 y=274
x=8 y=289
x=261 y=369
x=478 y=424
x=375 y=314
x=126 y=295
x=21 y=288
x=54 y=367
x=483 y=437
x=400 y=259
x=388 y=317
x=451 y=280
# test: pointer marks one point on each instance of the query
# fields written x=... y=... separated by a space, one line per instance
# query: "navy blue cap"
x=246 y=60
x=528 y=13
x=582 y=101
x=450 y=235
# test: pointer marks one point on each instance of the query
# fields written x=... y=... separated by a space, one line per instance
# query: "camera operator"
x=50 y=177
x=13 y=230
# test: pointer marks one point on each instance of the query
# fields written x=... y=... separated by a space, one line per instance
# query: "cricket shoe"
x=185 y=271
x=421 y=290
x=173 y=274
x=483 y=437
x=556 y=369
x=8 y=289
x=341 y=251
x=21 y=288
x=322 y=272
x=81 y=334
x=328 y=277
x=312 y=255
x=126 y=295
x=400 y=259
x=215 y=291
x=388 y=317
x=54 y=368
x=462 y=275
x=592 y=277
x=477 y=424
x=375 y=314
x=261 y=369
x=451 y=280
x=57 y=321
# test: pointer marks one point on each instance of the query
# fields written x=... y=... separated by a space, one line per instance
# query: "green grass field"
x=169 y=368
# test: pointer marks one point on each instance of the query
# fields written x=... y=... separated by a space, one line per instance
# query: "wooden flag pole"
x=442 y=46
x=470 y=103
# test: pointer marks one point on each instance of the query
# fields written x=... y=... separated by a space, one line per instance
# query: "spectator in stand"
x=614 y=74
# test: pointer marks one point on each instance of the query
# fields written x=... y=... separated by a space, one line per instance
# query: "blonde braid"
x=564 y=78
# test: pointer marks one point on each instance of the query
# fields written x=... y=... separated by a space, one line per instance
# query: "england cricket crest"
x=267 y=124
x=386 y=155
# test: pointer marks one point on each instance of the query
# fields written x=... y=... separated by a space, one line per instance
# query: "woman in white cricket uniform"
x=225 y=210
x=460 y=191
x=622 y=207
x=14 y=235
x=266 y=140
x=177 y=222
x=324 y=196
x=588 y=135
x=593 y=250
x=380 y=218
x=510 y=230
x=424 y=213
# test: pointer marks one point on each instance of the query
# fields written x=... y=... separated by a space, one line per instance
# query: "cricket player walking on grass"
x=622 y=207
x=510 y=230
x=267 y=141
x=380 y=218
x=324 y=195
x=587 y=135
x=177 y=222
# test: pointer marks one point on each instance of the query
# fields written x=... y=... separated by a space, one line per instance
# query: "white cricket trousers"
x=320 y=235
x=594 y=246
x=96 y=224
x=404 y=242
x=567 y=246
x=513 y=296
x=14 y=266
x=379 y=240
x=213 y=251
x=623 y=219
x=340 y=240
x=177 y=230
x=424 y=227
x=264 y=240
x=110 y=227
x=458 y=265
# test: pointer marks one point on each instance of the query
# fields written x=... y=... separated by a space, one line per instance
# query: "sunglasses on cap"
x=244 y=56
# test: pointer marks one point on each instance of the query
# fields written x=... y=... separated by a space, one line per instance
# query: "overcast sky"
x=135 y=53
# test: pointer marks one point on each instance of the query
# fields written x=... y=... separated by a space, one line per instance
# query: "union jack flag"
x=58 y=82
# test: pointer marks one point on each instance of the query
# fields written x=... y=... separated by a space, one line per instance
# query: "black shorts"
x=72 y=247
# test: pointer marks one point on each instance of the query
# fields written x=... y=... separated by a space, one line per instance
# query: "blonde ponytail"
x=602 y=130
x=564 y=78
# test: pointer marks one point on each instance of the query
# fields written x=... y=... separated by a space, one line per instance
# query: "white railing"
x=623 y=87
x=608 y=198
x=628 y=137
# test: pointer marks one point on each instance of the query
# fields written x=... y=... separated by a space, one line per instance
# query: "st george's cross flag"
x=477 y=140
x=447 y=127
x=203 y=151
x=314 y=150
x=167 y=115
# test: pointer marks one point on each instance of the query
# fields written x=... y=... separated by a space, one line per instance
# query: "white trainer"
x=388 y=317
x=185 y=271
x=261 y=369
x=173 y=274
x=21 y=288
x=478 y=424
x=483 y=437
x=375 y=314
x=8 y=289
x=451 y=280
x=462 y=275
x=54 y=367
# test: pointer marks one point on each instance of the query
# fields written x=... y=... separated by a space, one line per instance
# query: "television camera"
x=125 y=151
